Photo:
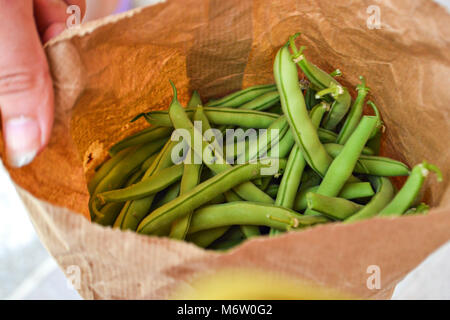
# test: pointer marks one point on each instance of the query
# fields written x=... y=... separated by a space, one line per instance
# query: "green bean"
x=195 y=100
x=215 y=163
x=342 y=166
x=294 y=108
x=120 y=173
x=109 y=214
x=384 y=194
x=319 y=79
x=295 y=166
x=136 y=177
x=410 y=190
x=266 y=140
x=191 y=178
x=218 y=200
x=310 y=98
x=119 y=220
x=136 y=210
x=340 y=106
x=349 y=191
x=170 y=194
x=275 y=109
x=323 y=81
x=355 y=114
x=265 y=181
x=272 y=190
x=335 y=208
x=249 y=213
x=241 y=97
x=336 y=73
x=287 y=142
x=373 y=165
x=422 y=208
x=248 y=231
x=284 y=146
x=374 y=143
x=263 y=102
x=106 y=168
x=326 y=136
x=334 y=149
x=201 y=194
x=309 y=179
x=230 y=239
x=206 y=237
x=290 y=181
x=380 y=124
x=146 y=187
x=317 y=113
x=219 y=116
x=147 y=163
x=145 y=136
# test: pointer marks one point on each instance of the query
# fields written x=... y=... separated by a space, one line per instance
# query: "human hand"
x=26 y=89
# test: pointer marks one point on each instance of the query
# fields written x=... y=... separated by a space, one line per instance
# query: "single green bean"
x=317 y=113
x=136 y=177
x=342 y=166
x=263 y=102
x=230 y=239
x=290 y=181
x=272 y=190
x=334 y=149
x=294 y=108
x=195 y=100
x=355 y=114
x=201 y=194
x=349 y=191
x=373 y=165
x=422 y=208
x=146 y=187
x=384 y=194
x=319 y=79
x=334 y=208
x=248 y=231
x=340 y=106
x=170 y=194
x=310 y=98
x=109 y=214
x=206 y=237
x=410 y=190
x=241 y=97
x=220 y=116
x=249 y=213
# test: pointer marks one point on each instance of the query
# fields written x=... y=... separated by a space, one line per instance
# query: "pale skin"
x=26 y=89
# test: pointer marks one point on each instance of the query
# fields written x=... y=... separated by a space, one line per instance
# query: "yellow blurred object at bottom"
x=241 y=284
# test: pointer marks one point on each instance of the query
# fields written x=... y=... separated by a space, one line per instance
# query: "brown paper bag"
x=107 y=71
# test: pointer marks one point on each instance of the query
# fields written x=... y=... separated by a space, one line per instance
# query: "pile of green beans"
x=326 y=150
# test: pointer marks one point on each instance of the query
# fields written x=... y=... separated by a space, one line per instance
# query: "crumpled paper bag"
x=107 y=71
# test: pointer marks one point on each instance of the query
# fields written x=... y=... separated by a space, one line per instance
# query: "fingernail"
x=23 y=140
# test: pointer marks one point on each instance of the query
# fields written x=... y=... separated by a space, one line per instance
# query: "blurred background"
x=27 y=271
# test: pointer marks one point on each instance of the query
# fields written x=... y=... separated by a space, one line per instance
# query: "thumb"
x=26 y=92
